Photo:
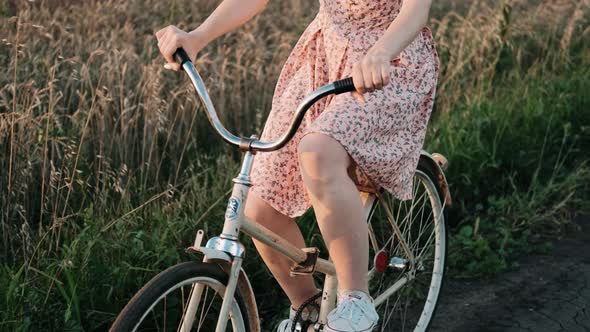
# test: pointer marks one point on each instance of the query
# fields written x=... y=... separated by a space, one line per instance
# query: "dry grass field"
x=108 y=165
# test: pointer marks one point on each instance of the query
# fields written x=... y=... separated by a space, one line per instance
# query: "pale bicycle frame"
x=227 y=248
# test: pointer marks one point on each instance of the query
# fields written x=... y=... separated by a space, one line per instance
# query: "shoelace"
x=346 y=309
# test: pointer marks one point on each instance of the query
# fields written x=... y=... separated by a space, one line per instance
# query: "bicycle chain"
x=309 y=302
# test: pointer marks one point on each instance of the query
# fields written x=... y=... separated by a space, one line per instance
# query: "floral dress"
x=384 y=136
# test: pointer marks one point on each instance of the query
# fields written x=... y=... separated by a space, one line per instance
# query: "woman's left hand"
x=371 y=73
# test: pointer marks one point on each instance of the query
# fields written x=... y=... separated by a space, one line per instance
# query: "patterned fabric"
x=383 y=136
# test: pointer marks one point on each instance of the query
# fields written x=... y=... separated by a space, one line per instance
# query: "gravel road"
x=546 y=293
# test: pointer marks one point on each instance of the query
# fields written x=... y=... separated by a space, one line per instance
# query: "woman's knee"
x=322 y=160
x=261 y=212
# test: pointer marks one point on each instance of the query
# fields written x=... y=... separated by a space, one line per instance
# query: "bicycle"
x=408 y=256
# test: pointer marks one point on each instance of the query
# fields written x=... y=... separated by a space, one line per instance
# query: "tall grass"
x=109 y=166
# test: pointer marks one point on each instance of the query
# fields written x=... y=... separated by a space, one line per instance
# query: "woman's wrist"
x=379 y=49
x=200 y=37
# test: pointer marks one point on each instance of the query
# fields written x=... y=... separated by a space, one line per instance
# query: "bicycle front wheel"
x=185 y=297
x=408 y=245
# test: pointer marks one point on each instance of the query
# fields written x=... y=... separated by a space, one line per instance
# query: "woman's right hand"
x=171 y=38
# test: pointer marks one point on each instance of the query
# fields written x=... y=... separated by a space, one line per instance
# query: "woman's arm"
x=229 y=15
x=406 y=26
x=373 y=71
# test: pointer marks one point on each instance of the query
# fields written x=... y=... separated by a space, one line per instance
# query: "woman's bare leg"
x=298 y=288
x=337 y=206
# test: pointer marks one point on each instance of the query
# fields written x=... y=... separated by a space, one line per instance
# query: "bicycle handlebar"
x=252 y=144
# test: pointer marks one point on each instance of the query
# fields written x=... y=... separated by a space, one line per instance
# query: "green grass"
x=528 y=176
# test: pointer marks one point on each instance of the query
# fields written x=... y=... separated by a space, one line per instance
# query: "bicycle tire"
x=183 y=274
x=418 y=321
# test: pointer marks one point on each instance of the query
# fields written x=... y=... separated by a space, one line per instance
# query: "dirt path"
x=546 y=293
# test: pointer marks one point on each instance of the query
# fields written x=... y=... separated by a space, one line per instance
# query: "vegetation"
x=109 y=166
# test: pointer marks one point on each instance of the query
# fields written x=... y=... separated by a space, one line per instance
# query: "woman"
x=369 y=138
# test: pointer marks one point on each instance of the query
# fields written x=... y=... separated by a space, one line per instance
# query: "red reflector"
x=381 y=261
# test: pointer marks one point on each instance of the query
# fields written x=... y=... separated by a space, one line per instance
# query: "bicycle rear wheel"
x=161 y=305
x=406 y=293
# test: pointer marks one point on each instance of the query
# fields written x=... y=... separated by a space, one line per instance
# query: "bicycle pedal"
x=307 y=266
x=308 y=327
x=298 y=327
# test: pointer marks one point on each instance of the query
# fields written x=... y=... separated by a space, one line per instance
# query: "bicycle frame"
x=227 y=248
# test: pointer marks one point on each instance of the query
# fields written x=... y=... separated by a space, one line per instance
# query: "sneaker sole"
x=329 y=329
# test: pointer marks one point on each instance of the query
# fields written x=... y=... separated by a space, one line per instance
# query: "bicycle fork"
x=226 y=247
x=193 y=304
x=228 y=296
x=197 y=291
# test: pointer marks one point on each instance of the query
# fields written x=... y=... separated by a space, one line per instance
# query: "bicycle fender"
x=248 y=294
x=428 y=162
x=214 y=254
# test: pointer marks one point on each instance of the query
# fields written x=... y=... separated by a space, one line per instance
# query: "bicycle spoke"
x=419 y=236
x=402 y=309
x=170 y=312
x=204 y=314
x=430 y=238
x=155 y=321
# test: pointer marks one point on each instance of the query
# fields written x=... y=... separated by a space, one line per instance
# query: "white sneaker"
x=355 y=312
x=287 y=324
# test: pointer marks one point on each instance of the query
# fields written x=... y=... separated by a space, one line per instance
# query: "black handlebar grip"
x=344 y=85
x=181 y=57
